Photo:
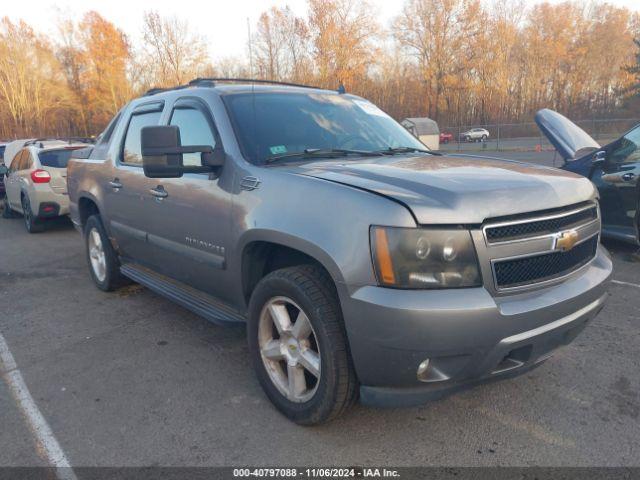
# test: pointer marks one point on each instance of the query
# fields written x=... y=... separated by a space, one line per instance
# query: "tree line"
x=460 y=62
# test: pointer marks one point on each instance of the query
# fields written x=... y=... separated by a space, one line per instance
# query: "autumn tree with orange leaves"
x=461 y=62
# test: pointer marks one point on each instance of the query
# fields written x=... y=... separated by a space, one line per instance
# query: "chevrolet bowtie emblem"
x=565 y=241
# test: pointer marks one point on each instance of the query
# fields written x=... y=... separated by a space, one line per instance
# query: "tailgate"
x=58 y=181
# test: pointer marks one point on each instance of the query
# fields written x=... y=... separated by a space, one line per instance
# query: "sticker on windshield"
x=369 y=108
x=278 y=149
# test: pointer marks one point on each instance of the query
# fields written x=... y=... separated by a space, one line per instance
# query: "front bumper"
x=468 y=336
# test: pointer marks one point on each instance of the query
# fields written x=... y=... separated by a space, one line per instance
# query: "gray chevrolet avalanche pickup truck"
x=363 y=264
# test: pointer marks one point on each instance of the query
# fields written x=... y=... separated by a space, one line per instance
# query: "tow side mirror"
x=162 y=153
x=599 y=158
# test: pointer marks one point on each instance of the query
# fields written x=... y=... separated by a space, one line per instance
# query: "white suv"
x=36 y=182
x=475 y=135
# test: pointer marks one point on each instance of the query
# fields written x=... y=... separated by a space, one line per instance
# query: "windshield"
x=276 y=124
x=55 y=158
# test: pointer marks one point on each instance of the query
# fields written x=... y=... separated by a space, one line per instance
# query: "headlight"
x=424 y=258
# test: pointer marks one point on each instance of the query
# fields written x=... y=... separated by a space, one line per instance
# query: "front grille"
x=523 y=271
x=516 y=231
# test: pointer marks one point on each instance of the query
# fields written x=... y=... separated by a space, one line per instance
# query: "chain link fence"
x=527 y=136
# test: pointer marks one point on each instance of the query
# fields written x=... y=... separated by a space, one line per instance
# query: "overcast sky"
x=222 y=22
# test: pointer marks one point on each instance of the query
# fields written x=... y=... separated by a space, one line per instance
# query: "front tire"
x=298 y=345
x=101 y=257
x=31 y=222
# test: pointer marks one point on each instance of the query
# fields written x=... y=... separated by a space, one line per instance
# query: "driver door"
x=189 y=226
x=619 y=186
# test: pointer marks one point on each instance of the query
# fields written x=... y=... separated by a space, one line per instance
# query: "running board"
x=198 y=302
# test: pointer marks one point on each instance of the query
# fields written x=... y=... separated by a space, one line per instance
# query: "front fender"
x=292 y=241
x=326 y=220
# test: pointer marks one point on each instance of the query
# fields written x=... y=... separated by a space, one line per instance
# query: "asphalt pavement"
x=131 y=379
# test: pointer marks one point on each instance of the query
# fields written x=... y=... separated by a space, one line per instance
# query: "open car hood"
x=457 y=189
x=569 y=139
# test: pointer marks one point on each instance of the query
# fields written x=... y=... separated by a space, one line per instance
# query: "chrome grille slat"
x=529 y=251
x=539 y=268
x=540 y=227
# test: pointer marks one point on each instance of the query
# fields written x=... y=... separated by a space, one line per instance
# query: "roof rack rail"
x=153 y=91
x=211 y=81
x=59 y=139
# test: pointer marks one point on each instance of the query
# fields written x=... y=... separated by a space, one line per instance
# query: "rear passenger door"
x=20 y=178
x=12 y=181
x=127 y=196
x=190 y=224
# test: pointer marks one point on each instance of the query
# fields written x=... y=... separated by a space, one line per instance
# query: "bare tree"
x=281 y=45
x=174 y=54
x=343 y=33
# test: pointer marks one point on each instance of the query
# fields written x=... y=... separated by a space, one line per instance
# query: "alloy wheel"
x=289 y=349
x=97 y=255
x=26 y=212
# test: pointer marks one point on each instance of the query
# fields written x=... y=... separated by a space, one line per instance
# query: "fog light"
x=422 y=370
x=429 y=372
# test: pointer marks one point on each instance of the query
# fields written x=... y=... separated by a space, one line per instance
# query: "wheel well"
x=86 y=208
x=261 y=258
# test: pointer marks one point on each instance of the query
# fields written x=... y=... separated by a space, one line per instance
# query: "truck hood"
x=457 y=189
x=568 y=138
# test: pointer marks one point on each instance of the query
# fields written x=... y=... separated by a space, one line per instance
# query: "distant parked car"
x=475 y=135
x=36 y=182
x=446 y=137
x=613 y=168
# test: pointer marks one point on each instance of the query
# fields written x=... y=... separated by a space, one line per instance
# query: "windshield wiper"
x=395 y=150
x=322 y=152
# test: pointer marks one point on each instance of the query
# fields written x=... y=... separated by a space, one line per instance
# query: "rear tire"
x=283 y=371
x=104 y=265
x=31 y=222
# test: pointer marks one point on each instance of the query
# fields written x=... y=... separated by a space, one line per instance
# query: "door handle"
x=115 y=184
x=628 y=177
x=159 y=192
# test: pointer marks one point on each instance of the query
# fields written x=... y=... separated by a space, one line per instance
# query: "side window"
x=19 y=161
x=15 y=161
x=106 y=135
x=27 y=160
x=131 y=153
x=627 y=149
x=194 y=130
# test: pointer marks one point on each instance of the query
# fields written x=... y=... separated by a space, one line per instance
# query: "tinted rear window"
x=55 y=158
